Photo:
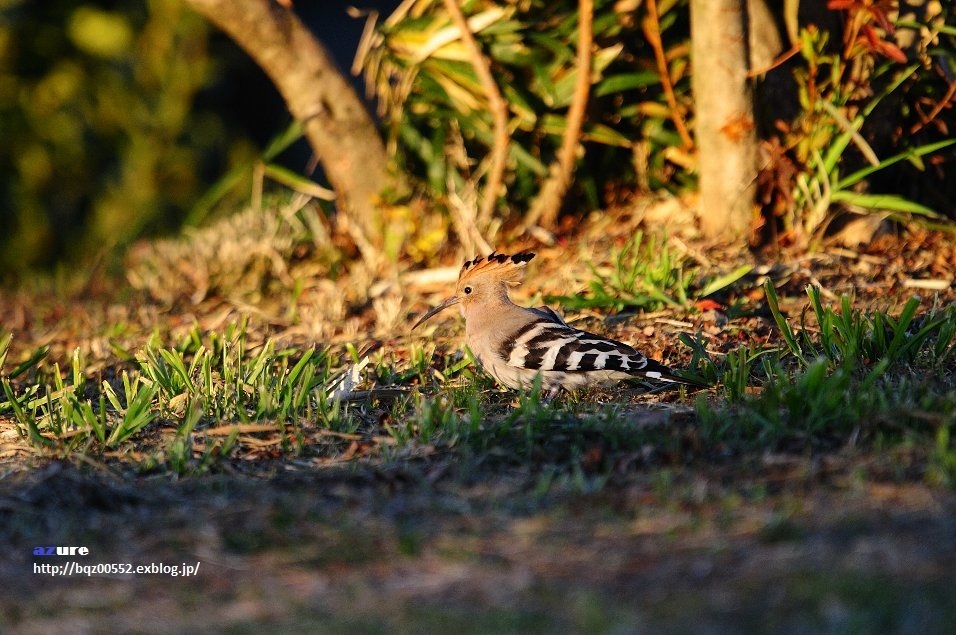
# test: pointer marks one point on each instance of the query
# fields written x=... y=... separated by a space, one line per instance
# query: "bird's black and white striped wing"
x=549 y=314
x=546 y=345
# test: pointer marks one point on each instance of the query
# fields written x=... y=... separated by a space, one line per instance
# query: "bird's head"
x=484 y=279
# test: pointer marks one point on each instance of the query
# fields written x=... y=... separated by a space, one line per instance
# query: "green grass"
x=836 y=377
x=647 y=273
x=853 y=377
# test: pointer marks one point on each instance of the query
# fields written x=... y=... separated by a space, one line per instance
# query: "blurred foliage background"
x=438 y=119
x=115 y=121
x=119 y=118
x=439 y=124
x=857 y=116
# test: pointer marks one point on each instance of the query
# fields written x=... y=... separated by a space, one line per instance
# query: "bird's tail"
x=657 y=371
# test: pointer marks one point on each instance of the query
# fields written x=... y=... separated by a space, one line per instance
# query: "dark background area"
x=125 y=120
x=69 y=201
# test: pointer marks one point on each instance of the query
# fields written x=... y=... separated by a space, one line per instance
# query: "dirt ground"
x=842 y=540
x=359 y=549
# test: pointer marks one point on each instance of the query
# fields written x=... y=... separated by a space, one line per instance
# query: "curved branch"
x=499 y=113
x=549 y=199
x=336 y=123
x=652 y=31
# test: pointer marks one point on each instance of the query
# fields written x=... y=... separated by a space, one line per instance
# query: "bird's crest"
x=501 y=266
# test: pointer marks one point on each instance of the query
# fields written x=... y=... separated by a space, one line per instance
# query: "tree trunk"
x=724 y=122
x=336 y=123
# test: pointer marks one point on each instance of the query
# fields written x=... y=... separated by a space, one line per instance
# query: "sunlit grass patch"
x=832 y=377
x=648 y=273
x=269 y=399
x=844 y=377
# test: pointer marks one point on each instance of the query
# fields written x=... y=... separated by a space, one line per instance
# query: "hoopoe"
x=516 y=344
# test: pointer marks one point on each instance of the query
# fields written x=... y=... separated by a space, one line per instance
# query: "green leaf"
x=557 y=124
x=4 y=348
x=298 y=182
x=725 y=280
x=887 y=202
x=901 y=77
x=38 y=356
x=859 y=175
x=629 y=81
x=782 y=323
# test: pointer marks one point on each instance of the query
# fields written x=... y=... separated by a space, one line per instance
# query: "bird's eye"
x=467 y=290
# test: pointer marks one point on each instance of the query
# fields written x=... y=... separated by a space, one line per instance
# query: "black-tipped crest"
x=495 y=259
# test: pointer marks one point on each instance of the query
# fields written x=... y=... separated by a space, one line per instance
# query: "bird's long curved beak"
x=438 y=309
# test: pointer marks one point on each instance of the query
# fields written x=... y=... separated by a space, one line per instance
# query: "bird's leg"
x=551 y=394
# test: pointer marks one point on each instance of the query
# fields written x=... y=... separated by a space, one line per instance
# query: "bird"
x=516 y=344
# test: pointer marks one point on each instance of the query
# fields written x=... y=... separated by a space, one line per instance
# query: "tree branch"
x=336 y=123
x=652 y=31
x=549 y=199
x=499 y=113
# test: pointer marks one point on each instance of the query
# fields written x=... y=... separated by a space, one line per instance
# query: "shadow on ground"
x=370 y=549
